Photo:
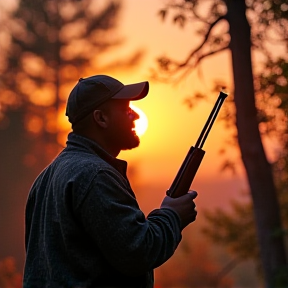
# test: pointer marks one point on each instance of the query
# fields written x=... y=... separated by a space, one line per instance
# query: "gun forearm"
x=186 y=173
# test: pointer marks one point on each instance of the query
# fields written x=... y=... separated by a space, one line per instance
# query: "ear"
x=100 y=118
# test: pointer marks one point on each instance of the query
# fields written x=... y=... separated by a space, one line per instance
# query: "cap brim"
x=135 y=91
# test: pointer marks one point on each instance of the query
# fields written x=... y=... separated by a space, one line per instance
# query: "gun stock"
x=193 y=159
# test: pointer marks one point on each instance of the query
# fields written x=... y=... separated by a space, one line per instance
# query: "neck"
x=101 y=141
x=108 y=148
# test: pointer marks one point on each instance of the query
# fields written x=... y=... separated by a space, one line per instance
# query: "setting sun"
x=141 y=124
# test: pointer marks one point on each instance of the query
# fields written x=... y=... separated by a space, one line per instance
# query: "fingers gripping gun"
x=189 y=167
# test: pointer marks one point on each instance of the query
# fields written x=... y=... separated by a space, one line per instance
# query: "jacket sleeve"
x=129 y=241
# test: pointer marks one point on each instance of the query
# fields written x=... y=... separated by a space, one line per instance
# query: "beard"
x=123 y=137
x=131 y=141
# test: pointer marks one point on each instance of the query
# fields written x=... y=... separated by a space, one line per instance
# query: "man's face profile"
x=121 y=124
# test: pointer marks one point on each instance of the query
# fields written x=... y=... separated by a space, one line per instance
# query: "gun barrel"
x=192 y=161
x=210 y=121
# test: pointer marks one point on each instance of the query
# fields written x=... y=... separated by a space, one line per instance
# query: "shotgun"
x=192 y=161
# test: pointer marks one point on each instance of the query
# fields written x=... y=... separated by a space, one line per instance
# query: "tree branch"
x=226 y=269
x=206 y=36
x=190 y=67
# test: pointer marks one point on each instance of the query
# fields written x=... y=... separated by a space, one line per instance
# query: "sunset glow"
x=139 y=38
x=141 y=123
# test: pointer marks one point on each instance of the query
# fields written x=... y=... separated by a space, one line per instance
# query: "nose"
x=134 y=115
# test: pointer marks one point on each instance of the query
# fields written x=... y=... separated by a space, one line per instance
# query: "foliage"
x=9 y=277
x=192 y=267
x=46 y=46
x=268 y=20
x=51 y=44
x=271 y=96
x=234 y=229
x=271 y=87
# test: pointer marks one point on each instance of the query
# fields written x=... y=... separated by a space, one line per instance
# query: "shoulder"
x=79 y=163
x=79 y=173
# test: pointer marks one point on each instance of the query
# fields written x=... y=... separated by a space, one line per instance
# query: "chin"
x=133 y=143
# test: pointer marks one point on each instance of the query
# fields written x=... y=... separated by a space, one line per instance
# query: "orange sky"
x=173 y=128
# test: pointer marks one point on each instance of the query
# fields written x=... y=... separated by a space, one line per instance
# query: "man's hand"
x=184 y=206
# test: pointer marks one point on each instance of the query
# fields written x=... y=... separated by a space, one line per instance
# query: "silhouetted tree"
x=193 y=266
x=49 y=45
x=268 y=20
x=9 y=277
x=236 y=229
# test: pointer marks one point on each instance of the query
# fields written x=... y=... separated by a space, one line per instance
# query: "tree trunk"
x=259 y=172
x=15 y=181
x=22 y=157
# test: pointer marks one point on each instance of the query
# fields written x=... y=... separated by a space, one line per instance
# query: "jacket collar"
x=95 y=148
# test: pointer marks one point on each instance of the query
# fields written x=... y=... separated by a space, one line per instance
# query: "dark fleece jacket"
x=84 y=227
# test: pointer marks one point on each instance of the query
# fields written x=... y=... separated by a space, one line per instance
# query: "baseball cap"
x=91 y=92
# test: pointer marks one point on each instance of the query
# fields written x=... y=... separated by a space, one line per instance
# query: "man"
x=84 y=227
